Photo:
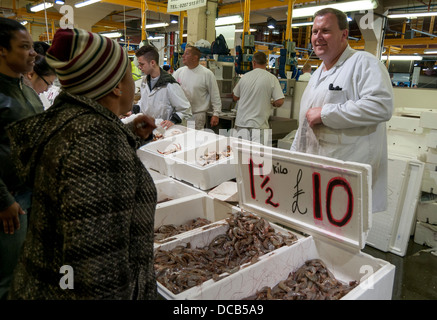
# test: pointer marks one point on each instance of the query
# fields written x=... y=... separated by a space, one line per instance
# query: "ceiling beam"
x=159 y=7
x=236 y=8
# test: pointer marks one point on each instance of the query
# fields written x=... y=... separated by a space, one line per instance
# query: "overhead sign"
x=182 y=5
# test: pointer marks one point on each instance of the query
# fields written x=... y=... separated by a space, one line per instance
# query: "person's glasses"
x=45 y=81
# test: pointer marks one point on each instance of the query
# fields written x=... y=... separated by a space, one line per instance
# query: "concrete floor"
x=416 y=272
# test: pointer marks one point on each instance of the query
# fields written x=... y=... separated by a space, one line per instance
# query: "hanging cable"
x=47 y=24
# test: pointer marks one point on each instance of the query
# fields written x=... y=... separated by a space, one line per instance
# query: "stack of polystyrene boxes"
x=426 y=226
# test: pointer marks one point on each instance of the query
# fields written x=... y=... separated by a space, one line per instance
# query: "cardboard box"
x=325 y=199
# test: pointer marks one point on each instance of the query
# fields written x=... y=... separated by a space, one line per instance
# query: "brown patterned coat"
x=92 y=208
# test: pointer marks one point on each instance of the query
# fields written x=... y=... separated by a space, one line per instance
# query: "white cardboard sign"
x=182 y=5
x=313 y=194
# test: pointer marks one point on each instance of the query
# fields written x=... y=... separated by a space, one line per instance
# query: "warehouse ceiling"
x=109 y=15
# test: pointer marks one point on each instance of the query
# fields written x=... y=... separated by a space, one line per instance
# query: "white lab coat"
x=161 y=102
x=353 y=118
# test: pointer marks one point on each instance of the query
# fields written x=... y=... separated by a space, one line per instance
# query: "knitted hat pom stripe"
x=87 y=63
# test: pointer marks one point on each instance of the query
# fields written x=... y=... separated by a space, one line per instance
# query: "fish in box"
x=208 y=165
x=183 y=211
x=158 y=155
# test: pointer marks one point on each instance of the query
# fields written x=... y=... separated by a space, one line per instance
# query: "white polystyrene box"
x=299 y=201
x=425 y=234
x=428 y=120
x=188 y=166
x=156 y=176
x=427 y=212
x=200 y=238
x=182 y=210
x=152 y=155
x=169 y=190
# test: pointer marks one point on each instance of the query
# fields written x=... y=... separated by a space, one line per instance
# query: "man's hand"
x=10 y=219
x=214 y=121
x=166 y=124
x=314 y=116
x=144 y=126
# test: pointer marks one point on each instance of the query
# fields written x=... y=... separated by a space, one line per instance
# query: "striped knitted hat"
x=87 y=63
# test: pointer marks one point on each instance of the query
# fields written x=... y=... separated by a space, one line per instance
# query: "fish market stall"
x=297 y=233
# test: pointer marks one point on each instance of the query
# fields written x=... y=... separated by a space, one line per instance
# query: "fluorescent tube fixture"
x=411 y=15
x=156 y=25
x=430 y=51
x=41 y=6
x=342 y=6
x=402 y=58
x=241 y=30
x=85 y=3
x=228 y=20
x=116 y=34
x=59 y=2
x=155 y=38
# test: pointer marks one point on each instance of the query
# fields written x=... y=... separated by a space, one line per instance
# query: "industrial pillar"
x=201 y=23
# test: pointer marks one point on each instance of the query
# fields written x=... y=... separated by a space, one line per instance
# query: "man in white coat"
x=161 y=95
x=256 y=92
x=346 y=103
x=200 y=87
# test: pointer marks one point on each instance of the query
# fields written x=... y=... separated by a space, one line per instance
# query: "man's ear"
x=29 y=75
x=117 y=91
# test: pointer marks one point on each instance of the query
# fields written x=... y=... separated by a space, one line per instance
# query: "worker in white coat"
x=200 y=87
x=346 y=103
x=162 y=96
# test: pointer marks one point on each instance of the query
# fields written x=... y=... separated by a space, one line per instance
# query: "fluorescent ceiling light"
x=302 y=24
x=59 y=2
x=242 y=30
x=24 y=22
x=430 y=51
x=393 y=58
x=116 y=34
x=342 y=6
x=41 y=6
x=155 y=38
x=157 y=25
x=411 y=15
x=228 y=20
x=85 y=3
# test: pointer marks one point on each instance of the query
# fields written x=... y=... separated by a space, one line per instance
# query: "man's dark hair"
x=7 y=29
x=260 y=58
x=149 y=53
x=42 y=68
x=341 y=17
x=41 y=47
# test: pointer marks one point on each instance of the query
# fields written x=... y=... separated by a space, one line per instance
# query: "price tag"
x=311 y=193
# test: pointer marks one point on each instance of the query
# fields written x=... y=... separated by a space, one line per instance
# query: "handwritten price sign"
x=312 y=192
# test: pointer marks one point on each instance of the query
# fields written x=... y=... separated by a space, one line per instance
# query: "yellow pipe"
x=143 y=20
x=288 y=33
x=182 y=15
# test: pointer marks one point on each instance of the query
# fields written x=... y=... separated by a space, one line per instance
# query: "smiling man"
x=346 y=103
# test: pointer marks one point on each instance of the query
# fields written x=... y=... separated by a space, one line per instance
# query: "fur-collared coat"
x=92 y=209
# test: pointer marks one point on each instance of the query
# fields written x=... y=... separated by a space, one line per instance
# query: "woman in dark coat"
x=90 y=233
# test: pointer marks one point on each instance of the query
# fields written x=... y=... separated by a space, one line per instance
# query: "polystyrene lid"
x=316 y=195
